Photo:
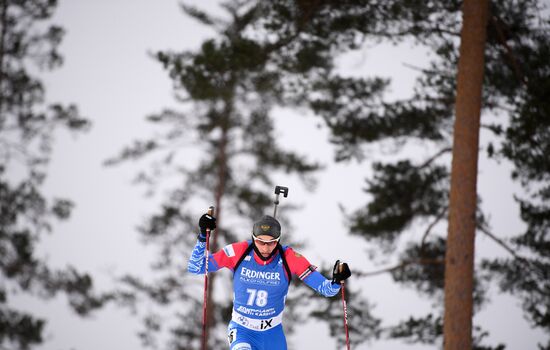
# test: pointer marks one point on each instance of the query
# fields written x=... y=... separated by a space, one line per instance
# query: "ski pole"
x=210 y=212
x=279 y=190
x=345 y=307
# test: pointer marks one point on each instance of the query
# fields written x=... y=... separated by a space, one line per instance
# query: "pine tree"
x=409 y=197
x=27 y=124
x=221 y=148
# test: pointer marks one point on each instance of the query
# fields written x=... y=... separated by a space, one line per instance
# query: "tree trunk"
x=459 y=258
x=218 y=195
x=3 y=31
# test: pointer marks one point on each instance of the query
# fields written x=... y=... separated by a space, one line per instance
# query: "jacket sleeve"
x=196 y=264
x=321 y=285
x=226 y=257
x=306 y=272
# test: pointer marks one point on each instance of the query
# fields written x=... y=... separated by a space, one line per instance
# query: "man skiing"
x=262 y=270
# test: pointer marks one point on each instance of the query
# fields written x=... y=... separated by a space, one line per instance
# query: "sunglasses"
x=263 y=242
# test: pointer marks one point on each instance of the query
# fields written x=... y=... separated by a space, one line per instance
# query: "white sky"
x=109 y=76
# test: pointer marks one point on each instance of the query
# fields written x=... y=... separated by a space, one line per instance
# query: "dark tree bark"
x=3 y=26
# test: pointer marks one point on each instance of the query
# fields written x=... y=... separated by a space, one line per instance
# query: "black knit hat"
x=268 y=226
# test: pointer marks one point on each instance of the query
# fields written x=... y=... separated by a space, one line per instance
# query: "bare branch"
x=519 y=258
x=434 y=157
x=431 y=226
x=420 y=69
x=502 y=244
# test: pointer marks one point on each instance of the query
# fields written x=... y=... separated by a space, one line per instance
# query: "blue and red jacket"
x=260 y=287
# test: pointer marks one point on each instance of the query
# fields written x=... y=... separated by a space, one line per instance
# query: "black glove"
x=340 y=272
x=206 y=222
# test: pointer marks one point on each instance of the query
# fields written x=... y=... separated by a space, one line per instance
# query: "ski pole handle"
x=210 y=212
x=278 y=191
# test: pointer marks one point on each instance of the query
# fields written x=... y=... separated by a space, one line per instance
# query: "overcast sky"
x=110 y=77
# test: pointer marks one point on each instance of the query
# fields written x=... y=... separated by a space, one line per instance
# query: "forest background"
x=111 y=74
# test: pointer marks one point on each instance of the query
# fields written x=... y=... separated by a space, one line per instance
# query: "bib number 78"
x=257 y=296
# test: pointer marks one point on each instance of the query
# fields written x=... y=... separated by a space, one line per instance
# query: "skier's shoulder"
x=236 y=249
x=291 y=253
x=296 y=261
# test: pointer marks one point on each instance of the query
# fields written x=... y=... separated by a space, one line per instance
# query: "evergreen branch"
x=509 y=52
x=401 y=266
x=6 y=153
x=202 y=16
x=299 y=29
x=270 y=48
x=495 y=129
x=495 y=105
x=407 y=32
x=142 y=148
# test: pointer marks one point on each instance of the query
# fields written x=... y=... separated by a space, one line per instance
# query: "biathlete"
x=262 y=271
